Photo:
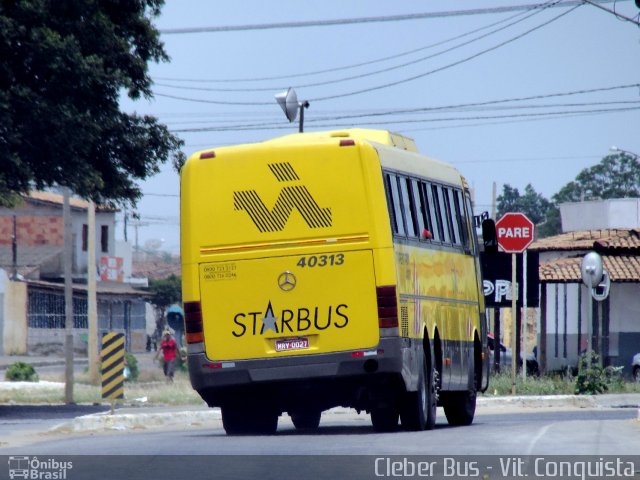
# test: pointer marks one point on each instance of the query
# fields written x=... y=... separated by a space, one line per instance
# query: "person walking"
x=169 y=349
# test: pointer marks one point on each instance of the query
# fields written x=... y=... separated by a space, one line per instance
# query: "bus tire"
x=384 y=418
x=306 y=419
x=460 y=407
x=239 y=420
x=419 y=408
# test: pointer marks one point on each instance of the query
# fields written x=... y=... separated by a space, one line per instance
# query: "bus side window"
x=463 y=220
x=432 y=204
x=441 y=209
x=395 y=207
x=454 y=216
x=472 y=230
x=409 y=208
x=421 y=208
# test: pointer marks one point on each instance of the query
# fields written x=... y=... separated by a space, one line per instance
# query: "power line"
x=367 y=74
x=345 y=67
x=361 y=20
x=613 y=12
x=389 y=84
x=512 y=117
x=445 y=67
x=442 y=108
x=386 y=85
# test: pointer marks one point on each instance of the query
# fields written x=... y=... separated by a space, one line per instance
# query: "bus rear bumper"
x=347 y=373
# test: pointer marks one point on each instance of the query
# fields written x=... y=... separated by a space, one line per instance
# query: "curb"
x=541 y=401
x=133 y=421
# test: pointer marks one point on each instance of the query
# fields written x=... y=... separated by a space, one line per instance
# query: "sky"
x=507 y=93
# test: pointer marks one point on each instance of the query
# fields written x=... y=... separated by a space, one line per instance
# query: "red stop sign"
x=515 y=232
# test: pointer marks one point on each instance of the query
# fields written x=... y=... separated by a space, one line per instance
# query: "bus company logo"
x=36 y=469
x=295 y=321
x=291 y=197
x=287 y=281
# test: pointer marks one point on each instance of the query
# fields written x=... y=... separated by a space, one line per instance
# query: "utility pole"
x=92 y=301
x=14 y=249
x=68 y=297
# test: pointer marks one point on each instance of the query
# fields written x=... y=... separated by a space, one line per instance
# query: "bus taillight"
x=193 y=322
x=387 y=306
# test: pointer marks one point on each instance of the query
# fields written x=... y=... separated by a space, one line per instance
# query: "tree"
x=532 y=204
x=616 y=176
x=63 y=65
x=164 y=293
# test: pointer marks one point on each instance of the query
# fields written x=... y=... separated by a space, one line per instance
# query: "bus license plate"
x=286 y=344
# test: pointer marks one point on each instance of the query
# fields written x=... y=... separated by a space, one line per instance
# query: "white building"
x=611 y=228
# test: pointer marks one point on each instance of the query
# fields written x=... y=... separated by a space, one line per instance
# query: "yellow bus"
x=331 y=269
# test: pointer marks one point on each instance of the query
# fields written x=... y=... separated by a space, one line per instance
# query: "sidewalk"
x=150 y=416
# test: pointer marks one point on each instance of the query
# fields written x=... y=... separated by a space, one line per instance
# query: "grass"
x=552 y=384
x=150 y=386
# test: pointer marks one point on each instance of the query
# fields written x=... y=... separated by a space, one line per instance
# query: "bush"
x=593 y=379
x=132 y=363
x=21 y=372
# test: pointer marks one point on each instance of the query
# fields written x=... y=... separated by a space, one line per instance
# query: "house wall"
x=43 y=224
x=625 y=324
x=33 y=228
x=103 y=219
x=14 y=334
x=566 y=339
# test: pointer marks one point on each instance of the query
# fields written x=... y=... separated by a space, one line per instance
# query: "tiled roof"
x=156 y=268
x=624 y=268
x=58 y=199
x=601 y=240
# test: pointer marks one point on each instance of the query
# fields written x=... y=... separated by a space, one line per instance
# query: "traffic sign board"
x=514 y=232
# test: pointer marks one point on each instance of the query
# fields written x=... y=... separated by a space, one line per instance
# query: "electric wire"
x=345 y=67
x=367 y=74
x=347 y=21
x=445 y=67
x=441 y=108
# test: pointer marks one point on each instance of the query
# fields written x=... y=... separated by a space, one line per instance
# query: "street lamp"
x=290 y=105
x=616 y=149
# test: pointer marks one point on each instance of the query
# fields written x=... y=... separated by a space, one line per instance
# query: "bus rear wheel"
x=419 y=408
x=242 y=420
x=306 y=419
x=460 y=407
x=384 y=418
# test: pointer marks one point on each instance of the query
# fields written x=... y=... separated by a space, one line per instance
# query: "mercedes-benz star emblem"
x=287 y=281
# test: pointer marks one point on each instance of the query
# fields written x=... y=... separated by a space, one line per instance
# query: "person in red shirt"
x=169 y=349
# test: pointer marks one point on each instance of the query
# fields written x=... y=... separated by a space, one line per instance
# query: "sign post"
x=514 y=233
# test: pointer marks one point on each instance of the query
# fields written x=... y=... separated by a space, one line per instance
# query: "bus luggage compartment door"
x=289 y=305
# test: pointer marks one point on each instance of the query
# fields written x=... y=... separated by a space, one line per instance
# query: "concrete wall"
x=600 y=214
x=14 y=336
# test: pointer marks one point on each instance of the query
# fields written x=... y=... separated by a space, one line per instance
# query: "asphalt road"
x=345 y=446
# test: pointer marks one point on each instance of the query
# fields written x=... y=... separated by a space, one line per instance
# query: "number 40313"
x=321 y=260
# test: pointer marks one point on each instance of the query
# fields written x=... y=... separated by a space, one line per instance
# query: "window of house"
x=104 y=239
x=85 y=237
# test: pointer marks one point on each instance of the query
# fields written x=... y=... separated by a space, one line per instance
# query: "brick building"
x=32 y=295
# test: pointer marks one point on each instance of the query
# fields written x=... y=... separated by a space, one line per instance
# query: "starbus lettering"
x=287 y=320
